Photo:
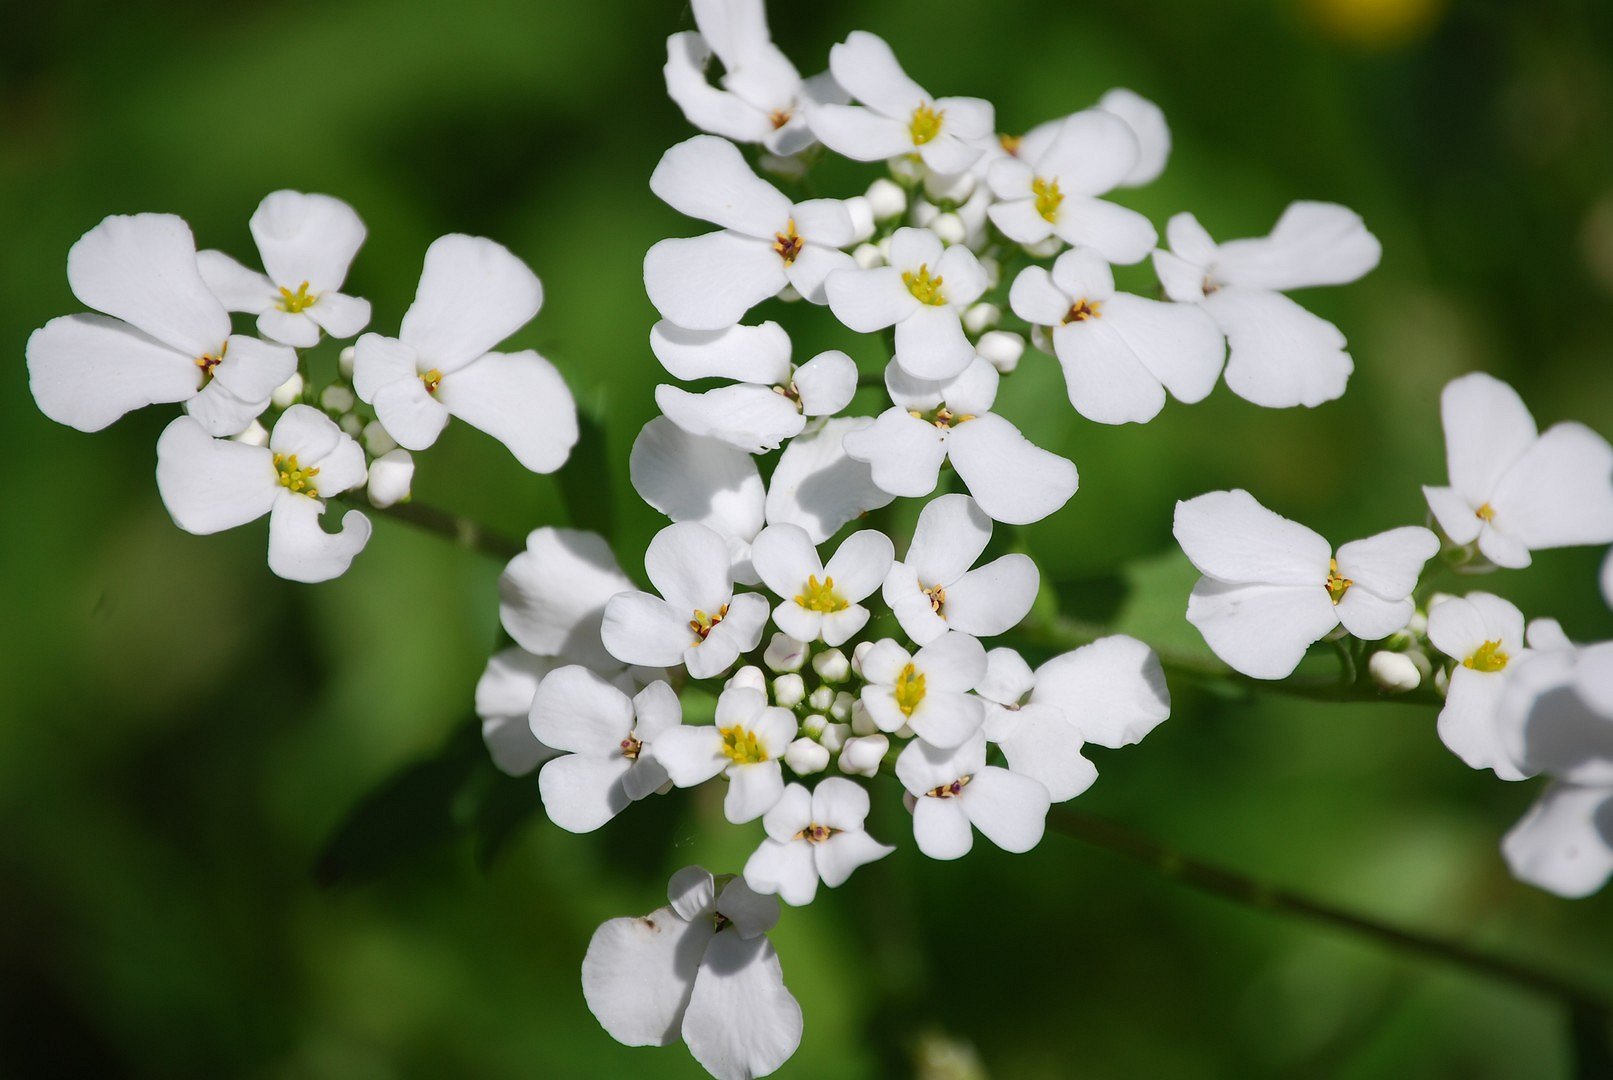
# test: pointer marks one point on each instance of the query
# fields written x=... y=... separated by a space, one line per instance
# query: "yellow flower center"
x=1488 y=658
x=702 y=624
x=925 y=289
x=787 y=243
x=952 y=790
x=294 y=478
x=925 y=125
x=815 y=833
x=779 y=117
x=1048 y=197
x=739 y=745
x=1337 y=584
x=1485 y=513
x=631 y=747
x=1082 y=310
x=432 y=379
x=1010 y=143
x=293 y=302
x=821 y=596
x=938 y=599
x=207 y=362
x=909 y=689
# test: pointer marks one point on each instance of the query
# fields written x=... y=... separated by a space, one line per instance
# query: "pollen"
x=1485 y=513
x=1337 y=584
x=938 y=599
x=1010 y=144
x=739 y=745
x=630 y=748
x=926 y=124
x=787 y=243
x=952 y=790
x=815 y=833
x=820 y=596
x=925 y=289
x=779 y=117
x=294 y=302
x=1082 y=310
x=294 y=478
x=702 y=624
x=1487 y=658
x=432 y=379
x=909 y=689
x=1048 y=198
x=207 y=362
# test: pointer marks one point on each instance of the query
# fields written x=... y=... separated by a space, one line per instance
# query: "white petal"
x=1012 y=479
x=378 y=361
x=843 y=852
x=826 y=383
x=707 y=178
x=791 y=814
x=930 y=342
x=520 y=400
x=1084 y=274
x=993 y=598
x=1091 y=153
x=709 y=282
x=785 y=868
x=966 y=279
x=410 y=414
x=817 y=485
x=688 y=565
x=869 y=300
x=249 y=370
x=1546 y=721
x=751 y=418
x=1455 y=515
x=1009 y=810
x=1179 y=344
x=577 y=711
x=824 y=223
x=1560 y=492
x=1020 y=221
x=811 y=270
x=689 y=478
x=1035 y=298
x=1459 y=625
x=750 y=912
x=504 y=696
x=1469 y=722
x=860 y=564
x=142 y=269
x=473 y=294
x=315 y=440
x=1121 y=235
x=552 y=596
x=1106 y=381
x=1008 y=677
x=690 y=755
x=582 y=793
x=947 y=154
x=865 y=65
x=740 y=631
x=752 y=354
x=1279 y=354
x=1230 y=536
x=1261 y=630
x=297 y=330
x=1368 y=616
x=784 y=558
x=1113 y=690
x=86 y=371
x=1181 y=280
x=236 y=287
x=741 y=980
x=301 y=550
x=1147 y=123
x=209 y=484
x=1312 y=244
x=1040 y=743
x=1487 y=429
x=903 y=453
x=1565 y=842
x=922 y=767
x=1189 y=240
x=904 y=594
x=310 y=238
x=951 y=533
x=639 y=972
x=941 y=827
x=1389 y=563
x=638 y=628
x=703 y=105
x=692 y=892
x=945 y=719
x=340 y=315
x=859 y=134
x=752 y=791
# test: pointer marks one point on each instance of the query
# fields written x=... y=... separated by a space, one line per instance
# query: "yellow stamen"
x=294 y=478
x=815 y=833
x=207 y=362
x=1485 y=513
x=1010 y=143
x=909 y=689
x=1337 y=584
x=432 y=379
x=780 y=117
x=1487 y=658
x=739 y=745
x=1082 y=310
x=925 y=125
x=787 y=243
x=702 y=624
x=631 y=747
x=938 y=599
x=821 y=596
x=950 y=791
x=925 y=289
x=293 y=302
x=1048 y=198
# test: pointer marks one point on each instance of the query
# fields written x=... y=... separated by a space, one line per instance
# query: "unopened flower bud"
x=1042 y=338
x=286 y=394
x=923 y=213
x=845 y=701
x=861 y=722
x=750 y=677
x=254 y=435
x=352 y=426
x=821 y=698
x=886 y=198
x=861 y=756
x=1002 y=349
x=792 y=167
x=832 y=665
x=377 y=440
x=1418 y=623
x=993 y=269
x=344 y=362
x=1044 y=249
x=805 y=757
x=391 y=475
x=858 y=651
x=812 y=727
x=834 y=736
x=949 y=187
x=862 y=217
x=908 y=168
x=884 y=249
x=788 y=294
x=337 y=398
x=978 y=318
x=784 y=653
x=788 y=690
x=1442 y=681
x=1393 y=672
x=950 y=228
x=867 y=256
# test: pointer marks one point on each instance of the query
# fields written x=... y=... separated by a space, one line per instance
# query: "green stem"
x=1228 y=884
x=462 y=531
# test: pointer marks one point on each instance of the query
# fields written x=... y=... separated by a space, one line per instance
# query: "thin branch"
x=462 y=531
x=1230 y=885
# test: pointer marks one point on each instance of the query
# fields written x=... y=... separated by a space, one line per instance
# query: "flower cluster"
x=258 y=435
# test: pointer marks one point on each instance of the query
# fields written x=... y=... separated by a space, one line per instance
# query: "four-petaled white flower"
x=897 y=116
x=954 y=789
x=1279 y=354
x=931 y=422
x=698 y=620
x=933 y=588
x=163 y=338
x=210 y=485
x=1513 y=489
x=1120 y=353
x=473 y=294
x=307 y=243
x=1272 y=587
x=772 y=398
x=923 y=293
x=747 y=743
x=926 y=691
x=1111 y=692
x=1057 y=191
x=702 y=968
x=763 y=99
x=765 y=242
x=1484 y=635
x=813 y=835
x=607 y=744
x=818 y=601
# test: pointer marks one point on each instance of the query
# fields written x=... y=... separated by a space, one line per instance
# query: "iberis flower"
x=954 y=791
x=926 y=692
x=811 y=836
x=821 y=602
x=746 y=744
x=1484 y=634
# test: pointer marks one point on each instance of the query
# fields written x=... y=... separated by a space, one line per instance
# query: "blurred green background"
x=184 y=733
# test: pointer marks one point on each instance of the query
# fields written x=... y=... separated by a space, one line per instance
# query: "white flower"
x=899 y=117
x=1147 y=123
x=813 y=835
x=747 y=742
x=771 y=400
x=923 y=293
x=1565 y=842
x=765 y=242
x=954 y=789
x=607 y=743
x=307 y=243
x=762 y=98
x=697 y=620
x=1056 y=191
x=1514 y=490
x=473 y=294
x=504 y=696
x=210 y=485
x=1120 y=353
x=821 y=602
x=1111 y=692
x=1272 y=587
x=817 y=485
x=1484 y=635
x=933 y=588
x=1394 y=672
x=390 y=478
x=701 y=967
x=703 y=480
x=167 y=339
x=927 y=691
x=552 y=596
x=1280 y=354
